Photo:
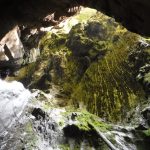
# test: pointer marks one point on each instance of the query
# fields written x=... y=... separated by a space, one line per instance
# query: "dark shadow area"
x=132 y=14
x=30 y=12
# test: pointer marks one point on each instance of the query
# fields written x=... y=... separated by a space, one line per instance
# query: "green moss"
x=29 y=128
x=67 y=147
x=49 y=65
x=94 y=66
x=64 y=147
x=86 y=119
x=147 y=133
x=91 y=65
x=47 y=105
x=30 y=138
x=147 y=78
x=24 y=73
x=61 y=123
x=52 y=43
x=108 y=87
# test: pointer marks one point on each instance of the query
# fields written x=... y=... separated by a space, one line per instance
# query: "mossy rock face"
x=81 y=126
x=144 y=72
x=107 y=86
x=87 y=40
x=93 y=66
x=86 y=119
x=49 y=66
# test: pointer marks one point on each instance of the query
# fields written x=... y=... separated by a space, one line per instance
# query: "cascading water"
x=13 y=100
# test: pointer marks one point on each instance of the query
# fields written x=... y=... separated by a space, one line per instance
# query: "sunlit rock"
x=12 y=50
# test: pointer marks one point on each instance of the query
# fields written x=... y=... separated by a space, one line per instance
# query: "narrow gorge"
x=74 y=75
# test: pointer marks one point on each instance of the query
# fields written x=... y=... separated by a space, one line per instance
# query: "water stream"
x=13 y=99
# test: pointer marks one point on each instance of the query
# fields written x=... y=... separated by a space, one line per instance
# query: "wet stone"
x=73 y=116
x=146 y=115
x=38 y=113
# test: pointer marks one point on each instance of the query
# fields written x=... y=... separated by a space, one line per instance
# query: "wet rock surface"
x=46 y=127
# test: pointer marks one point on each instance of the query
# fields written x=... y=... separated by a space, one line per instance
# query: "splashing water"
x=13 y=99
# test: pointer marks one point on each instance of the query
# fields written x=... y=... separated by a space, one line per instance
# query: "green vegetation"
x=147 y=133
x=107 y=86
x=85 y=119
x=64 y=147
x=91 y=64
x=24 y=73
x=30 y=138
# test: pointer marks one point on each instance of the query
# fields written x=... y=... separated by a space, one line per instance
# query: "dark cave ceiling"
x=133 y=14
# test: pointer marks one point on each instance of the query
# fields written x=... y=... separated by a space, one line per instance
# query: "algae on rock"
x=107 y=84
x=92 y=65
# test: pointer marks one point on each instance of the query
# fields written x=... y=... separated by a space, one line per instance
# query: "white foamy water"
x=121 y=143
x=13 y=99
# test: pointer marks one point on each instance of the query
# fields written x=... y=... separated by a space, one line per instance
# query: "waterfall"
x=13 y=99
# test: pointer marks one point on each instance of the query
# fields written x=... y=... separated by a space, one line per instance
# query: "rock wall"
x=95 y=65
x=132 y=14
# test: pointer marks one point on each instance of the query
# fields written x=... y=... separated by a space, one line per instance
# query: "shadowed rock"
x=132 y=14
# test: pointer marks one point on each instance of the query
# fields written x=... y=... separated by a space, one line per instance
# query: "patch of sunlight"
x=82 y=17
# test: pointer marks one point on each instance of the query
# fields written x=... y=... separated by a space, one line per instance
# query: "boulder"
x=95 y=29
x=87 y=40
